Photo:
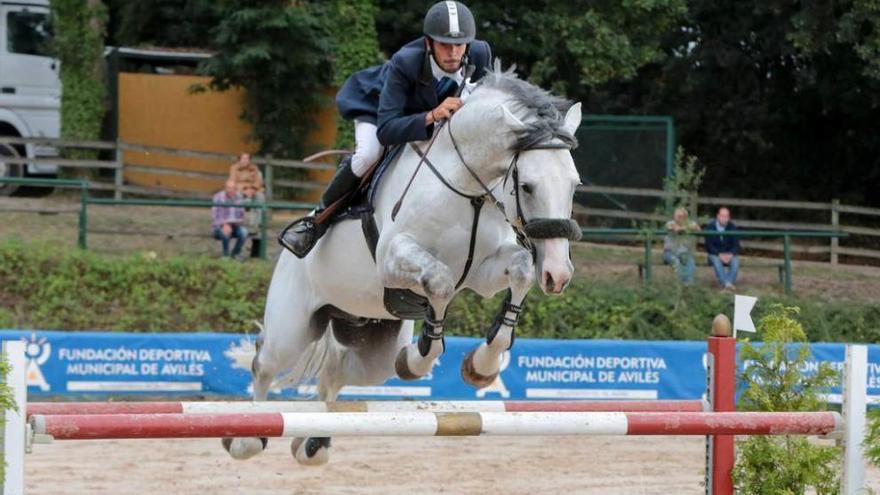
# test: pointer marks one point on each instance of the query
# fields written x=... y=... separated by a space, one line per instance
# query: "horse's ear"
x=572 y=119
x=511 y=120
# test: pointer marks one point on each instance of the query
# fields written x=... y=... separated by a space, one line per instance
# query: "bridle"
x=536 y=228
x=526 y=230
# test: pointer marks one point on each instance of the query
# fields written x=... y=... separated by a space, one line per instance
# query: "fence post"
x=835 y=225
x=648 y=267
x=268 y=180
x=264 y=219
x=786 y=253
x=83 y=215
x=117 y=178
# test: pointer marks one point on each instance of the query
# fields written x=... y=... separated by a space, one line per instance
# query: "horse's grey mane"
x=547 y=111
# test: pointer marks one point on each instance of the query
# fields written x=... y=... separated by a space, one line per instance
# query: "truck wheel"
x=8 y=169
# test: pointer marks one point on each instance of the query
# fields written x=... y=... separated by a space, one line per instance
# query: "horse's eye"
x=527 y=188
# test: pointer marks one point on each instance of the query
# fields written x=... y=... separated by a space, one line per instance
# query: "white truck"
x=30 y=87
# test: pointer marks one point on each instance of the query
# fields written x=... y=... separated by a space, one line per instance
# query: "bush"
x=83 y=291
x=783 y=465
x=50 y=288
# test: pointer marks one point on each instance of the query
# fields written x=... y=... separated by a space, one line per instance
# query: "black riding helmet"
x=450 y=22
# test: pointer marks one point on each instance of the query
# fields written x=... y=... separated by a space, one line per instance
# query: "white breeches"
x=367 y=149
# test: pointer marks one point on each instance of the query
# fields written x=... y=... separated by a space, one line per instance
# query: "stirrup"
x=301 y=236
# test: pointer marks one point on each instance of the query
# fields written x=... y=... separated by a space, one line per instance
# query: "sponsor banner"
x=101 y=364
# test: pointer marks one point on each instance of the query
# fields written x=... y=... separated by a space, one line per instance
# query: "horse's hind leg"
x=289 y=341
x=361 y=356
x=409 y=265
x=511 y=266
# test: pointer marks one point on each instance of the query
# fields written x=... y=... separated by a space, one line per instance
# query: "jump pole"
x=74 y=408
x=420 y=423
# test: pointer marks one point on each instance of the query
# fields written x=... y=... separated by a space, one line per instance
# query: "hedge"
x=49 y=288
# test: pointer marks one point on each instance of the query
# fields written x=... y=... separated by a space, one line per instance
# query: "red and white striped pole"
x=68 y=408
x=419 y=423
x=722 y=398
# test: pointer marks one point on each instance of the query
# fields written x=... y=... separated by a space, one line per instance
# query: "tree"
x=775 y=97
x=282 y=57
x=167 y=23
x=354 y=29
x=79 y=45
x=773 y=381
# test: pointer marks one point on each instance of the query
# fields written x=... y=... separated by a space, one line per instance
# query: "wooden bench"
x=779 y=265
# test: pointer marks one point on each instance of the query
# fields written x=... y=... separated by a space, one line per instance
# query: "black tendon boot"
x=302 y=235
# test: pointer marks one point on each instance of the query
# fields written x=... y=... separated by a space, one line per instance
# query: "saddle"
x=402 y=303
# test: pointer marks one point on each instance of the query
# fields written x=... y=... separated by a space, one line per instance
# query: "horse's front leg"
x=410 y=266
x=511 y=266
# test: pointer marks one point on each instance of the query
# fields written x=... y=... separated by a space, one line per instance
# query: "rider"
x=400 y=101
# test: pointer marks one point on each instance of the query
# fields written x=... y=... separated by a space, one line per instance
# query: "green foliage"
x=282 y=57
x=769 y=93
x=783 y=465
x=171 y=23
x=872 y=438
x=82 y=291
x=79 y=45
x=685 y=182
x=48 y=288
x=357 y=47
x=853 y=25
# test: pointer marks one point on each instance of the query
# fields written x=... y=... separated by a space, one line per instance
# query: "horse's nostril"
x=548 y=281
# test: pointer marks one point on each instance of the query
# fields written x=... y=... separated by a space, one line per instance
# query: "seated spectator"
x=678 y=247
x=228 y=220
x=249 y=182
x=246 y=175
x=723 y=249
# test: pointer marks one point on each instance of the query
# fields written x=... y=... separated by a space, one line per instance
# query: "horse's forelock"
x=544 y=113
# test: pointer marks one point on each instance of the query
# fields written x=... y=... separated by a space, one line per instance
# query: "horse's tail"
x=311 y=367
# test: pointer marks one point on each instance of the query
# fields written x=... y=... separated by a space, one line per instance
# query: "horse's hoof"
x=470 y=375
x=244 y=448
x=401 y=366
x=312 y=451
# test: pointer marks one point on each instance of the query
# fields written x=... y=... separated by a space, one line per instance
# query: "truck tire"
x=9 y=169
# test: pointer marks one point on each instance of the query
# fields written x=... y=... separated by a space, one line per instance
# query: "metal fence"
x=840 y=216
x=840 y=219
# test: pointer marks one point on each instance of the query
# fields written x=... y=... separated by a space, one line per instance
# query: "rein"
x=525 y=230
x=537 y=228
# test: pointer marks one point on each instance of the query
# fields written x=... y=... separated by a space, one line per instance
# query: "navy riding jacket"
x=397 y=94
x=717 y=244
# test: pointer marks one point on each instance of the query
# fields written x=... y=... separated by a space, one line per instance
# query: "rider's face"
x=448 y=56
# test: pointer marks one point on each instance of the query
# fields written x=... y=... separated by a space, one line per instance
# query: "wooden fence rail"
x=117 y=163
x=834 y=224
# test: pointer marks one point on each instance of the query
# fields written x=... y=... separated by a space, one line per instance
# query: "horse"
x=332 y=316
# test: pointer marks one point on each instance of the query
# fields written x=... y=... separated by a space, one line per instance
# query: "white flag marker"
x=742 y=317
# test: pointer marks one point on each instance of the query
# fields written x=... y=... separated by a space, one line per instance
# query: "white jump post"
x=14 y=433
x=855 y=401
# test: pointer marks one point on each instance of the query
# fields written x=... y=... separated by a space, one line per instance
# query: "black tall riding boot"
x=302 y=235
